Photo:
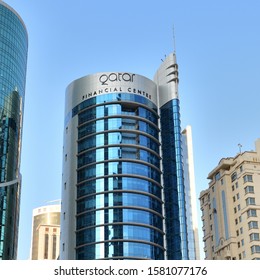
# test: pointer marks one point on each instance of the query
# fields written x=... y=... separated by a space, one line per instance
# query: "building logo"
x=116 y=77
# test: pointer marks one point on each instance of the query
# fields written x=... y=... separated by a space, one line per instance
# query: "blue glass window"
x=176 y=224
x=118 y=178
x=120 y=250
x=112 y=138
x=126 y=232
x=117 y=215
x=110 y=168
x=118 y=183
x=118 y=199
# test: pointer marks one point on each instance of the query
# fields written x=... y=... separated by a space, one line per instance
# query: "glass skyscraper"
x=123 y=194
x=13 y=61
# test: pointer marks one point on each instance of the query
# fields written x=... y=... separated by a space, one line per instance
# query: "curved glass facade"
x=119 y=205
x=13 y=59
x=123 y=171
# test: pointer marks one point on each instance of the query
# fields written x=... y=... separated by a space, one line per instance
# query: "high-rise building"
x=13 y=61
x=231 y=208
x=190 y=194
x=46 y=233
x=123 y=193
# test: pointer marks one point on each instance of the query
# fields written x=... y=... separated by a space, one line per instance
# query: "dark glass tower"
x=123 y=193
x=176 y=232
x=13 y=60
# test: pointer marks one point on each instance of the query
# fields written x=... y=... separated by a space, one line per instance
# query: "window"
x=238 y=244
x=242 y=242
x=235 y=210
x=250 y=201
x=236 y=222
x=241 y=168
x=253 y=224
x=255 y=249
x=254 y=237
x=240 y=219
x=217 y=176
x=237 y=233
x=238 y=207
x=222 y=182
x=233 y=176
x=251 y=213
x=234 y=198
x=46 y=246
x=236 y=185
x=249 y=189
x=238 y=196
x=248 y=178
x=241 y=230
x=233 y=187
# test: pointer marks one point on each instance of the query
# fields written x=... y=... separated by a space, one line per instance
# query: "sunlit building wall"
x=46 y=233
x=231 y=208
x=190 y=194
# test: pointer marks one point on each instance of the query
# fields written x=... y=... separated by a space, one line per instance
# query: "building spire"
x=173 y=36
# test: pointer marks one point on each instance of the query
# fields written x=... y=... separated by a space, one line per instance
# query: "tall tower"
x=111 y=169
x=167 y=82
x=118 y=127
x=13 y=61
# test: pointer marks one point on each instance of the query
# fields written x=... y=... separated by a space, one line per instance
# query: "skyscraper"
x=231 y=208
x=119 y=199
x=46 y=233
x=13 y=61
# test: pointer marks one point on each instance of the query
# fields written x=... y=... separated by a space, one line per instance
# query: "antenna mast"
x=173 y=35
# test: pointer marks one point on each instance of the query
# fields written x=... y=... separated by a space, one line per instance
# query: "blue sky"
x=217 y=46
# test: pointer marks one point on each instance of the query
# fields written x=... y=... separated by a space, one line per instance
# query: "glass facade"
x=123 y=170
x=13 y=58
x=173 y=177
x=119 y=204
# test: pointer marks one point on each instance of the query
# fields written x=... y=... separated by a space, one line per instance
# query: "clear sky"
x=217 y=46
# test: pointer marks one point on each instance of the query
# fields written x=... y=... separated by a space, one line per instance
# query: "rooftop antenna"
x=173 y=35
x=240 y=146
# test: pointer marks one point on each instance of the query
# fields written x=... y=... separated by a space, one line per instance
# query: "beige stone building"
x=231 y=208
x=46 y=233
